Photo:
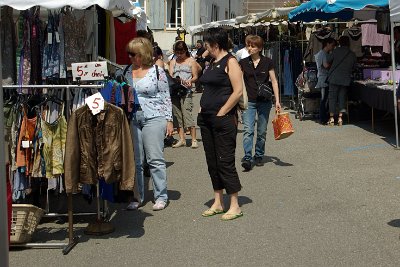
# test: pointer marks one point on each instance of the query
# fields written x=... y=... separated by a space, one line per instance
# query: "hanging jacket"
x=99 y=146
x=354 y=34
x=315 y=43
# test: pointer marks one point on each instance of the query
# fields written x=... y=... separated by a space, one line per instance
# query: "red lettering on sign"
x=96 y=104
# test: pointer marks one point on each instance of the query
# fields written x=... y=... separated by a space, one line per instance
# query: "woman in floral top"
x=152 y=119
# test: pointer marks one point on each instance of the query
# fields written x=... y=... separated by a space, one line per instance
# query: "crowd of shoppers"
x=221 y=76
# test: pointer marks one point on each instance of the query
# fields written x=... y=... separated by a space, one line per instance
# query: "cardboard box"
x=380 y=74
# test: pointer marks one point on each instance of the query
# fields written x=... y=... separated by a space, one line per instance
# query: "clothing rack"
x=110 y=62
x=72 y=241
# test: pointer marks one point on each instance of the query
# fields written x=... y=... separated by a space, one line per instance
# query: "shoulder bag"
x=264 y=91
x=243 y=100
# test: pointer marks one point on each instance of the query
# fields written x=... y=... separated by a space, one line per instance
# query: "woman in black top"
x=217 y=119
x=257 y=69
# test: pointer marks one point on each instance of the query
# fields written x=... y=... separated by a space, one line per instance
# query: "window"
x=214 y=12
x=233 y=15
x=226 y=14
x=174 y=13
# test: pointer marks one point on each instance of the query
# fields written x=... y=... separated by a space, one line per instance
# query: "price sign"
x=89 y=71
x=95 y=103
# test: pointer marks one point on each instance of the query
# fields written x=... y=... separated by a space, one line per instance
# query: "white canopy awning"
x=271 y=14
x=228 y=23
x=394 y=6
x=77 y=4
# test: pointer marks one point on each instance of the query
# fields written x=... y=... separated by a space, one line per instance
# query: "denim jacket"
x=99 y=146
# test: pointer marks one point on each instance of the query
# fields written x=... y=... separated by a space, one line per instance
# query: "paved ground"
x=327 y=196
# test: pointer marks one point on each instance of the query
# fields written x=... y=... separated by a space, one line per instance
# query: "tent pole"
x=394 y=82
x=4 y=260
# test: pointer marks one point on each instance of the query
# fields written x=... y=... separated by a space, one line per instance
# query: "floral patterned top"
x=153 y=93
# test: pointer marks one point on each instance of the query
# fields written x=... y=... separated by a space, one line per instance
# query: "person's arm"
x=166 y=104
x=275 y=87
x=235 y=76
x=326 y=63
x=159 y=62
x=171 y=67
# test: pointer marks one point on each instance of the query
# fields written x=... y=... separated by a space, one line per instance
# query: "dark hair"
x=200 y=42
x=145 y=34
x=157 y=51
x=217 y=36
x=327 y=41
x=344 y=41
x=181 y=46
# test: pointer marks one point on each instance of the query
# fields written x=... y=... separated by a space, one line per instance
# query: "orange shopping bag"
x=282 y=126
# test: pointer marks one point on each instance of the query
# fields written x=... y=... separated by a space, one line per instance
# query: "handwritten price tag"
x=89 y=71
x=95 y=103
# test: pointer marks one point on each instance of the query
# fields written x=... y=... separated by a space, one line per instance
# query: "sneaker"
x=246 y=164
x=160 y=205
x=133 y=206
x=179 y=144
x=195 y=144
x=259 y=162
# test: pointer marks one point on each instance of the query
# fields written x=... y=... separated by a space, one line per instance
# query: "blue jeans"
x=261 y=109
x=148 y=140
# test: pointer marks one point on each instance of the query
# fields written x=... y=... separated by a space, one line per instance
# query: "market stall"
x=375 y=76
x=27 y=82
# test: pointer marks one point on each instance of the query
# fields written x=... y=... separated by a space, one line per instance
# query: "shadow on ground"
x=243 y=200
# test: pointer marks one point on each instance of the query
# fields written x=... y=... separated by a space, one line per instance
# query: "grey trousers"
x=337 y=94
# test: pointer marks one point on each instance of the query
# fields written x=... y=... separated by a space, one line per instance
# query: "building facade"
x=167 y=16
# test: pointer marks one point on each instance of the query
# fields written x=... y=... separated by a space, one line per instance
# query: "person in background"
x=199 y=58
x=243 y=53
x=342 y=61
x=217 y=119
x=151 y=120
x=185 y=70
x=321 y=59
x=261 y=68
x=158 y=55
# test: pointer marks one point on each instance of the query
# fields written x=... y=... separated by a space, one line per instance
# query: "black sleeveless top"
x=217 y=87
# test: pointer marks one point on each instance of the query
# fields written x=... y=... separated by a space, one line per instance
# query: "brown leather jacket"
x=99 y=146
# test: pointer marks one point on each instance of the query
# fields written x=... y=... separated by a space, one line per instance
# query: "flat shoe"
x=229 y=216
x=211 y=212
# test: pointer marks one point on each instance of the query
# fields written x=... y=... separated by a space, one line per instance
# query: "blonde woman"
x=151 y=121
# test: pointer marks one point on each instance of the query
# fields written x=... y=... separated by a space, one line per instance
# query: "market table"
x=374 y=94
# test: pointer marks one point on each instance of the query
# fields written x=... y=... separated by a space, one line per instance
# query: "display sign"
x=95 y=103
x=89 y=71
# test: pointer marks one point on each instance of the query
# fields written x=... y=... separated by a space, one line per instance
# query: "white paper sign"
x=95 y=103
x=89 y=71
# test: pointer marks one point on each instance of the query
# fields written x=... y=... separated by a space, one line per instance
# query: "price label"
x=89 y=71
x=95 y=103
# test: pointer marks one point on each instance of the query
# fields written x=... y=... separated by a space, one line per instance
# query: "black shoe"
x=246 y=164
x=259 y=162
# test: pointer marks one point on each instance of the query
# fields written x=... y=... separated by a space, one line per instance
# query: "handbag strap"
x=341 y=61
x=254 y=70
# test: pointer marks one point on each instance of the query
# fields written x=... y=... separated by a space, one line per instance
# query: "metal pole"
x=394 y=82
x=4 y=260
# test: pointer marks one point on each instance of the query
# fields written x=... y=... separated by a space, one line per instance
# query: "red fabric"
x=9 y=203
x=124 y=32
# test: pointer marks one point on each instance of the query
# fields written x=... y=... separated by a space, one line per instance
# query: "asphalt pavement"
x=326 y=196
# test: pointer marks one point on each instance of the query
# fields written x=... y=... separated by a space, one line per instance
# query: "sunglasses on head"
x=131 y=54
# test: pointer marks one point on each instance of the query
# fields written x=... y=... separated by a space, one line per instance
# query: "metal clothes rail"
x=72 y=241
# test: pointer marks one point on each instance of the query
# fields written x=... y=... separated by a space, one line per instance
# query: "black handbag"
x=264 y=90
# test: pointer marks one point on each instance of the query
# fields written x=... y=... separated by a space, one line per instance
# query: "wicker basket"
x=25 y=219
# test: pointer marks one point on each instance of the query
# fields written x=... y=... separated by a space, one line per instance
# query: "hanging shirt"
x=124 y=32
